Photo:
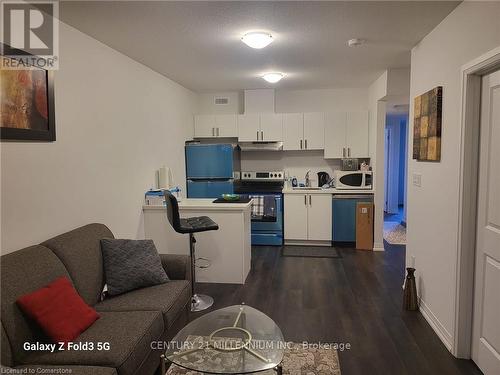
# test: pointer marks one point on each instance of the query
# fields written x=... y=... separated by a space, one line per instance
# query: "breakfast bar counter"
x=228 y=249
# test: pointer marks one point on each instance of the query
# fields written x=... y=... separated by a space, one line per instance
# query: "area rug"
x=394 y=233
x=310 y=252
x=297 y=360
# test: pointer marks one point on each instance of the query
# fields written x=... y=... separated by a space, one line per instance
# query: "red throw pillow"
x=59 y=310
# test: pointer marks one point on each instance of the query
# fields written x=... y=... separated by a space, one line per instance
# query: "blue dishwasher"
x=344 y=215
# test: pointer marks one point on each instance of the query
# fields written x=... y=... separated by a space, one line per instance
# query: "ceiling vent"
x=221 y=101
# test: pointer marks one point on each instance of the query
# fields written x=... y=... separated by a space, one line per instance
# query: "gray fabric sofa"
x=129 y=322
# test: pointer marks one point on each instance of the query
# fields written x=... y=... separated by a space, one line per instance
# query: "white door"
x=295 y=216
x=357 y=134
x=249 y=127
x=486 y=323
x=226 y=125
x=271 y=127
x=314 y=131
x=319 y=217
x=293 y=131
x=204 y=126
x=335 y=135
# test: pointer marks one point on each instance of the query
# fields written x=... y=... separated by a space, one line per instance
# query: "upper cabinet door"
x=204 y=126
x=271 y=127
x=249 y=127
x=293 y=131
x=226 y=125
x=314 y=131
x=357 y=134
x=335 y=135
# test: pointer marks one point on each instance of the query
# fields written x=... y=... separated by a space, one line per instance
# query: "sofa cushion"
x=129 y=334
x=170 y=298
x=58 y=310
x=80 y=251
x=22 y=272
x=6 y=358
x=131 y=264
x=73 y=370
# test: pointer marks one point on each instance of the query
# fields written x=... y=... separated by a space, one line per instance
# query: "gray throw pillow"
x=131 y=264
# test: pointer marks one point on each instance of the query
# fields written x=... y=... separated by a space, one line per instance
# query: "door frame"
x=471 y=74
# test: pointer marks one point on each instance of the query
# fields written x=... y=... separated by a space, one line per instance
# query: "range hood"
x=261 y=146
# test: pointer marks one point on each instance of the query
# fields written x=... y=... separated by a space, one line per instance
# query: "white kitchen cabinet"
x=271 y=127
x=214 y=126
x=295 y=216
x=249 y=127
x=335 y=135
x=226 y=126
x=314 y=131
x=293 y=131
x=357 y=134
x=204 y=126
x=260 y=127
x=346 y=135
x=319 y=217
x=308 y=217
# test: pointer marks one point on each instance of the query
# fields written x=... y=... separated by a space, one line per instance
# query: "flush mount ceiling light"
x=355 y=42
x=257 y=39
x=273 y=77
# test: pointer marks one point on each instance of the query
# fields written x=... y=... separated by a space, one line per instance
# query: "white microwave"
x=353 y=180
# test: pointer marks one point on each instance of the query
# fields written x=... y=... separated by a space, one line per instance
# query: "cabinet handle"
x=301 y=144
x=213 y=132
x=305 y=200
x=218 y=132
x=305 y=142
x=257 y=135
x=261 y=135
x=343 y=152
x=310 y=200
x=349 y=151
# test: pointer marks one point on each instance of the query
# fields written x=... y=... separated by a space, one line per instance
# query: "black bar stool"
x=190 y=225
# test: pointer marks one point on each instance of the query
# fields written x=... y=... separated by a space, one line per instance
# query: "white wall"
x=377 y=93
x=116 y=122
x=471 y=30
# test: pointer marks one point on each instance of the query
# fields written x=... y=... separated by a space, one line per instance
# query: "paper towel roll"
x=164 y=178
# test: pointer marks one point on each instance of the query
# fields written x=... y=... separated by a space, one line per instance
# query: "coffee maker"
x=323 y=178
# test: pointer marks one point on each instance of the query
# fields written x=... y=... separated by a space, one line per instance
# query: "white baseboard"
x=437 y=326
x=378 y=247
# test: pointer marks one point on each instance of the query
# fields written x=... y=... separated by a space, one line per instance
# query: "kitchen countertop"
x=289 y=190
x=203 y=204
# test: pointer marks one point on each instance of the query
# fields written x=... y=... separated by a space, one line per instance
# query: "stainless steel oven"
x=267 y=208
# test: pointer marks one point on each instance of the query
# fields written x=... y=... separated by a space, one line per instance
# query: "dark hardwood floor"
x=355 y=299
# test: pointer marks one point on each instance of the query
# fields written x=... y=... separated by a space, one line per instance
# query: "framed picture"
x=427 y=125
x=27 y=105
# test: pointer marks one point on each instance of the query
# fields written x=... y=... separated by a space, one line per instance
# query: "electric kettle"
x=323 y=178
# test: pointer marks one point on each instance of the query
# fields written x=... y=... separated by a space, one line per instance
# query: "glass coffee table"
x=234 y=340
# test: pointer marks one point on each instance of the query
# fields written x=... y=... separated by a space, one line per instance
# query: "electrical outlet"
x=417 y=179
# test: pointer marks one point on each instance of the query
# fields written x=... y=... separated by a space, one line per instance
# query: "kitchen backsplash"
x=296 y=163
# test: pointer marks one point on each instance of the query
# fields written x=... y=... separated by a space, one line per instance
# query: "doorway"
x=477 y=335
x=395 y=159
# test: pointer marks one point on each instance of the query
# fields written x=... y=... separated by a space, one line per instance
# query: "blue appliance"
x=210 y=169
x=344 y=215
x=267 y=226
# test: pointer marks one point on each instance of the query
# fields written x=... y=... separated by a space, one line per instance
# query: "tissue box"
x=154 y=198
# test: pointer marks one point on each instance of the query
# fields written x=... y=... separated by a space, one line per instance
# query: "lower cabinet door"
x=319 y=217
x=295 y=213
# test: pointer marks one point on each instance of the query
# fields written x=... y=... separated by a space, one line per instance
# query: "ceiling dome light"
x=273 y=77
x=257 y=40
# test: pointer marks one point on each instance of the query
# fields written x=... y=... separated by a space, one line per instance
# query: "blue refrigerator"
x=209 y=169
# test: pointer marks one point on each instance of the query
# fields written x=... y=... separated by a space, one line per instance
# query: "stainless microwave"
x=353 y=180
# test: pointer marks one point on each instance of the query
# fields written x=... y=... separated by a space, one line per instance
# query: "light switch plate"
x=417 y=179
